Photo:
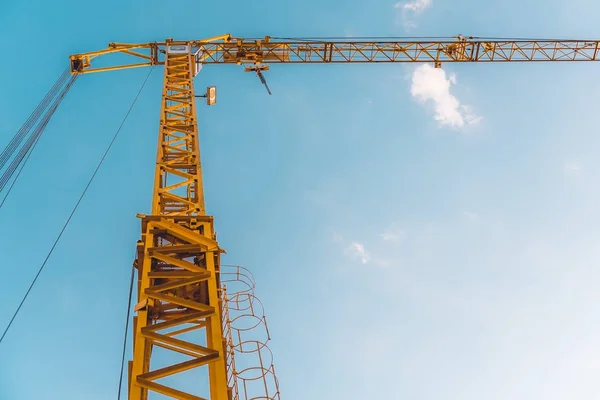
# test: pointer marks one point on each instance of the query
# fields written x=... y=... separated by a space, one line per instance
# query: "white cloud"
x=357 y=250
x=573 y=166
x=515 y=298
x=416 y=5
x=408 y=9
x=390 y=236
x=430 y=84
x=470 y=117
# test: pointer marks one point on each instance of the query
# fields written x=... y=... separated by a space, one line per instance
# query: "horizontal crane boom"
x=228 y=50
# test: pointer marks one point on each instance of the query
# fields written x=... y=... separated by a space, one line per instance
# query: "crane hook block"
x=259 y=69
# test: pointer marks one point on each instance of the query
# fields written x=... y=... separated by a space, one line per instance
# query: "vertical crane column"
x=178 y=308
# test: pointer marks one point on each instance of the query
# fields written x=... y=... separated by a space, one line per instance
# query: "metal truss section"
x=250 y=368
x=178 y=180
x=461 y=50
x=229 y=50
x=177 y=328
x=179 y=273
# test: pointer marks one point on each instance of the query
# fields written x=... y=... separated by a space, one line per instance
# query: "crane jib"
x=228 y=50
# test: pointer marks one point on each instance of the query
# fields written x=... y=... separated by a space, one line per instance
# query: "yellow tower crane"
x=180 y=287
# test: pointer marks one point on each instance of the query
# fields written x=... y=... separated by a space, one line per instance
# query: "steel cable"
x=66 y=224
x=10 y=188
x=22 y=132
x=126 y=330
x=34 y=137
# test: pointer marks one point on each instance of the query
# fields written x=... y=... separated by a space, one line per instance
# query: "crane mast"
x=178 y=257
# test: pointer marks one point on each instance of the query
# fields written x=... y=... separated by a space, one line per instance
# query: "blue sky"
x=398 y=256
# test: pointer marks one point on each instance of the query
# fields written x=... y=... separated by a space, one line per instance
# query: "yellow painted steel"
x=228 y=50
x=178 y=257
x=179 y=291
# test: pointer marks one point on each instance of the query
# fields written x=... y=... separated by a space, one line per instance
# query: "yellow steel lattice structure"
x=228 y=50
x=178 y=262
x=178 y=256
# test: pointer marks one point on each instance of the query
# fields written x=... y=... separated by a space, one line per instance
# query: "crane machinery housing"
x=181 y=284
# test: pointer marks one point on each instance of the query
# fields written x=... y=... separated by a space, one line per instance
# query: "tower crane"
x=178 y=227
x=180 y=285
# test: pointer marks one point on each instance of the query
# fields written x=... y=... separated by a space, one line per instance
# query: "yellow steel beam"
x=116 y=68
x=178 y=256
x=228 y=50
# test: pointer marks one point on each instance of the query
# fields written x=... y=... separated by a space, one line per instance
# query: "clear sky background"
x=415 y=233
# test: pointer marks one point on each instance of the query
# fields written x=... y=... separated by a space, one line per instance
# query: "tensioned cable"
x=21 y=133
x=35 y=135
x=26 y=158
x=9 y=172
x=75 y=208
x=10 y=188
x=6 y=153
x=126 y=330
